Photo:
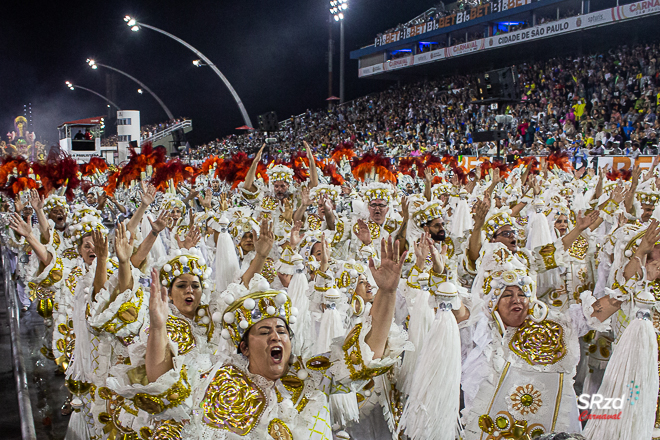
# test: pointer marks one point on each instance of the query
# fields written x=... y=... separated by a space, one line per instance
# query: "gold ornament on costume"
x=579 y=248
x=506 y=427
x=232 y=401
x=526 y=400
x=279 y=431
x=539 y=343
x=647 y=198
x=280 y=173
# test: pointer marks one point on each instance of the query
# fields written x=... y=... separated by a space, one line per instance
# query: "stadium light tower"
x=337 y=9
x=72 y=86
x=94 y=65
x=135 y=26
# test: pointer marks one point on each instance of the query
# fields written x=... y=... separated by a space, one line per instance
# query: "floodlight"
x=135 y=28
x=341 y=16
x=336 y=18
x=197 y=63
x=140 y=91
x=344 y=6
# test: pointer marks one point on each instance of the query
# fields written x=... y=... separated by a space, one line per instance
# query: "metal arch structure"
x=75 y=86
x=170 y=116
x=241 y=107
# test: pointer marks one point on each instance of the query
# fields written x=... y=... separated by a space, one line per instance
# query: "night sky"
x=273 y=53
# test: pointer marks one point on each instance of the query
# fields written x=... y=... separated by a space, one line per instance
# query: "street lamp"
x=72 y=86
x=336 y=9
x=94 y=65
x=135 y=26
x=140 y=91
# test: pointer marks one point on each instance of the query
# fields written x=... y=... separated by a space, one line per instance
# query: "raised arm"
x=101 y=251
x=37 y=203
x=19 y=226
x=387 y=277
x=428 y=183
x=474 y=245
x=638 y=260
x=124 y=250
x=158 y=359
x=147 y=243
x=581 y=224
x=262 y=247
x=313 y=172
x=252 y=172
x=148 y=196
x=305 y=202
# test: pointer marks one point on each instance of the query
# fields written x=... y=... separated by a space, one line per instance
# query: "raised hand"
x=159 y=309
x=288 y=210
x=305 y=199
x=19 y=226
x=583 y=222
x=160 y=223
x=123 y=245
x=296 y=235
x=148 y=194
x=264 y=243
x=618 y=194
x=206 y=200
x=428 y=177
x=224 y=204
x=100 y=244
x=192 y=238
x=364 y=234
x=36 y=200
x=325 y=254
x=387 y=275
x=481 y=209
x=405 y=214
x=421 y=251
x=18 y=205
x=438 y=258
x=327 y=205
x=651 y=237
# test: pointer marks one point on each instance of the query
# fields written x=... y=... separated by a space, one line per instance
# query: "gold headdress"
x=495 y=222
x=254 y=307
x=429 y=211
x=280 y=173
x=54 y=200
x=184 y=261
x=376 y=191
x=331 y=191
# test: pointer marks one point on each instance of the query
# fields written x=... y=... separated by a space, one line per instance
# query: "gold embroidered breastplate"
x=539 y=343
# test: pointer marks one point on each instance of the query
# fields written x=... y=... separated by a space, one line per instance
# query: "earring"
x=357 y=303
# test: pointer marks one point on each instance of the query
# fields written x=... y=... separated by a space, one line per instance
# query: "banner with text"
x=567 y=25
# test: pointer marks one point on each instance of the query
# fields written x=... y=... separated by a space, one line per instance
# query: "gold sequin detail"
x=180 y=332
x=539 y=343
x=314 y=223
x=339 y=233
x=279 y=431
x=72 y=279
x=506 y=427
x=579 y=248
x=353 y=357
x=232 y=401
x=547 y=252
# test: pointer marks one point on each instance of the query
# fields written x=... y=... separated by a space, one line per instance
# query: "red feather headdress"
x=373 y=163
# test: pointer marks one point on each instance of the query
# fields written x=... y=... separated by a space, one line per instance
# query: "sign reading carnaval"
x=449 y=20
x=567 y=25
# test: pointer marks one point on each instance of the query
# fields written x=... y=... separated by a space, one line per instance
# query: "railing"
x=24 y=407
x=167 y=132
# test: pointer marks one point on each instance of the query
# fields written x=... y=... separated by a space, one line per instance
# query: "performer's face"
x=268 y=348
x=507 y=236
x=561 y=224
x=281 y=189
x=186 y=293
x=647 y=211
x=86 y=250
x=58 y=215
x=364 y=289
x=513 y=306
x=378 y=210
x=436 y=229
x=215 y=185
x=91 y=198
x=176 y=214
x=247 y=242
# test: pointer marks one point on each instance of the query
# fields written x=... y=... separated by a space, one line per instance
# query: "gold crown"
x=330 y=191
x=280 y=173
x=427 y=213
x=647 y=198
x=81 y=212
x=190 y=262
x=86 y=225
x=377 y=193
x=496 y=222
x=172 y=202
x=441 y=188
x=254 y=307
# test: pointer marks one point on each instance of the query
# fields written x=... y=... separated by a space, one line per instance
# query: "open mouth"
x=276 y=354
x=60 y=218
x=516 y=309
x=92 y=256
x=189 y=300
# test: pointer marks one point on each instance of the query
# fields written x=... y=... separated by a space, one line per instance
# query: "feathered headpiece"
x=343 y=151
x=59 y=171
x=172 y=173
x=371 y=165
x=234 y=169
